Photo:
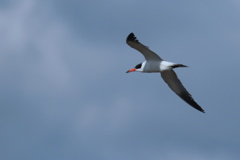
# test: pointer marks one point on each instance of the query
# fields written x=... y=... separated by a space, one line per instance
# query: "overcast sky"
x=64 y=93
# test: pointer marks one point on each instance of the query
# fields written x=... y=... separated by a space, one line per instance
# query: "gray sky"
x=65 y=93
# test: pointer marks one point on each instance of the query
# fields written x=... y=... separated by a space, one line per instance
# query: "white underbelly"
x=165 y=65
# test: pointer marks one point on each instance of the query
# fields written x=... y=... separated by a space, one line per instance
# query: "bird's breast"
x=152 y=67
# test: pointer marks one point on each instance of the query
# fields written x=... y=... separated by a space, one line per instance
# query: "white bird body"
x=154 y=63
x=155 y=66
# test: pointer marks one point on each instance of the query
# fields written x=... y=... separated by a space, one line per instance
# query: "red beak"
x=131 y=70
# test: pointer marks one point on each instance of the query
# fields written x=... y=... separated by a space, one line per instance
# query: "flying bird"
x=154 y=63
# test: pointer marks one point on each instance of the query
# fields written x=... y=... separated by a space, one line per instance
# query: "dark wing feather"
x=147 y=53
x=170 y=77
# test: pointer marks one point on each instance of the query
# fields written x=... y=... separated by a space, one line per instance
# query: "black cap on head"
x=138 y=66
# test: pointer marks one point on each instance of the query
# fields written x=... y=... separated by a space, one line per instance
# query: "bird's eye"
x=138 y=66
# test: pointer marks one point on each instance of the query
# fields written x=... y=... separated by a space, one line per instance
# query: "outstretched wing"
x=147 y=53
x=170 y=77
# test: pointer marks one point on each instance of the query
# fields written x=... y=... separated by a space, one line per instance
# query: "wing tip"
x=201 y=110
x=188 y=99
x=131 y=37
x=197 y=107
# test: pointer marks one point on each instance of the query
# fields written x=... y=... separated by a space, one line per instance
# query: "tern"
x=154 y=63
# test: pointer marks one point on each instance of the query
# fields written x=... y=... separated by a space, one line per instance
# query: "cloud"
x=40 y=47
x=116 y=115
